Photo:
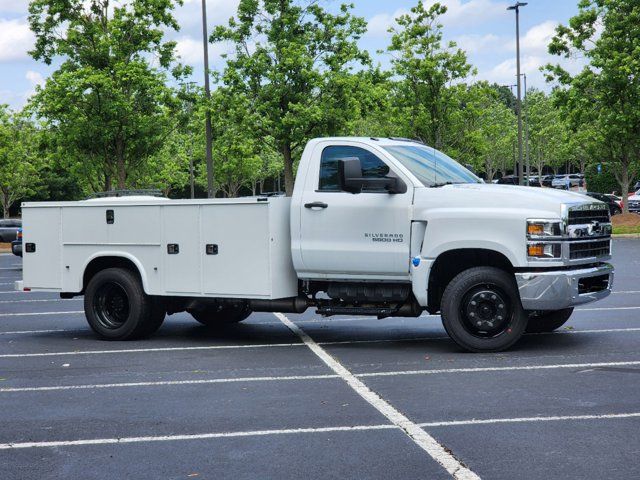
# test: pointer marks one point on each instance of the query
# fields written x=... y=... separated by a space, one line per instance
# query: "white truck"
x=376 y=226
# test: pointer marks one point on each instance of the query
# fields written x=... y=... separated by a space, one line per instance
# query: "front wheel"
x=548 y=321
x=117 y=308
x=481 y=310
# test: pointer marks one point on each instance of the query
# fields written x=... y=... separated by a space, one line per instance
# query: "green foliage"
x=605 y=95
x=293 y=62
x=427 y=69
x=109 y=108
x=604 y=182
x=18 y=162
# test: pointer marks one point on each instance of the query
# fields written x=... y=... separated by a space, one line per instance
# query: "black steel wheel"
x=117 y=308
x=481 y=310
x=212 y=315
x=548 y=321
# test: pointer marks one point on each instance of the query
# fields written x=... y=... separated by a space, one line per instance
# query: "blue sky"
x=483 y=28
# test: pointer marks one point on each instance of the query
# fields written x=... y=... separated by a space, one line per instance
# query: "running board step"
x=369 y=311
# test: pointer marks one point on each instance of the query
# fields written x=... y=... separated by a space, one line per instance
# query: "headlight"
x=544 y=250
x=543 y=229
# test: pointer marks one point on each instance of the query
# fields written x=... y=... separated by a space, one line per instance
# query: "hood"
x=544 y=201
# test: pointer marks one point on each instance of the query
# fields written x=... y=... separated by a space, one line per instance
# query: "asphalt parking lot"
x=302 y=396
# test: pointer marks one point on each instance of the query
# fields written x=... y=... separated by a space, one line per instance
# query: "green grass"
x=626 y=229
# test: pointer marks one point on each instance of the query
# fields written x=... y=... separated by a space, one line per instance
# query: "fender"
x=117 y=254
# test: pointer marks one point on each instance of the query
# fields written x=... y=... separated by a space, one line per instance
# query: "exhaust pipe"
x=282 y=305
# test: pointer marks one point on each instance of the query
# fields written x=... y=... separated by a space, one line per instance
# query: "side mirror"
x=351 y=179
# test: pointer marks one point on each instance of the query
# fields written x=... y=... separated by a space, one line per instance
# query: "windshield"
x=431 y=167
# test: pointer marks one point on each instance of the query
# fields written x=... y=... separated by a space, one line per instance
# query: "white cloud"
x=189 y=50
x=459 y=14
x=189 y=15
x=34 y=78
x=379 y=24
x=474 y=44
x=14 y=6
x=15 y=39
x=537 y=38
x=473 y=12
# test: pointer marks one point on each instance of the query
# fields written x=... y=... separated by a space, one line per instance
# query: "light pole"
x=526 y=128
x=516 y=7
x=207 y=94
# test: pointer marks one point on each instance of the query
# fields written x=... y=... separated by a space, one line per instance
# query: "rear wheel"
x=221 y=314
x=117 y=308
x=541 y=322
x=481 y=310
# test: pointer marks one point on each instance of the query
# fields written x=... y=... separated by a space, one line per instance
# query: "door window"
x=372 y=166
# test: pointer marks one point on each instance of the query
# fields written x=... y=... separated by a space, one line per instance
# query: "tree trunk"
x=624 y=185
x=288 y=169
x=122 y=173
x=6 y=204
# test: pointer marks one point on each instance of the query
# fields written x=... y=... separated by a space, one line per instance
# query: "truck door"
x=362 y=234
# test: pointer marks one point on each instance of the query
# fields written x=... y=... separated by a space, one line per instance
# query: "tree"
x=18 y=164
x=292 y=61
x=428 y=71
x=605 y=95
x=547 y=132
x=106 y=104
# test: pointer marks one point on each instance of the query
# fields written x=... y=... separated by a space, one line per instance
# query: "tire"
x=117 y=308
x=221 y=314
x=542 y=322
x=482 y=326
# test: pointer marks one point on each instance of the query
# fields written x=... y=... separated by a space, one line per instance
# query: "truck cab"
x=376 y=226
x=393 y=212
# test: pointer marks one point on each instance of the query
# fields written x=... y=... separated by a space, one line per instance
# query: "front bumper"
x=558 y=289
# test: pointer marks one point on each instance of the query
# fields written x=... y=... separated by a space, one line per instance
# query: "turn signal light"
x=536 y=250
x=535 y=229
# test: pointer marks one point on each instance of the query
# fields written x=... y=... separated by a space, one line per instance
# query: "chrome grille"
x=582 y=217
x=589 y=249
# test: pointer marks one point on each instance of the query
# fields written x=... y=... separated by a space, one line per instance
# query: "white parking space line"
x=149 y=350
x=26 y=332
x=605 y=309
x=168 y=383
x=421 y=438
x=227 y=347
x=202 y=436
x=628 y=291
x=293 y=431
x=490 y=421
x=22 y=314
x=43 y=300
x=501 y=369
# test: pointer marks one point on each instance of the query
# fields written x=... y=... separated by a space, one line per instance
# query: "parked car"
x=16 y=245
x=9 y=229
x=508 y=180
x=634 y=203
x=534 y=181
x=636 y=187
x=614 y=207
x=575 y=180
x=547 y=180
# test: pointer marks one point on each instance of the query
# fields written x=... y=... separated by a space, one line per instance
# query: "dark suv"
x=9 y=229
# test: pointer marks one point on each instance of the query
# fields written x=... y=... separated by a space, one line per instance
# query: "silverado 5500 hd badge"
x=385 y=237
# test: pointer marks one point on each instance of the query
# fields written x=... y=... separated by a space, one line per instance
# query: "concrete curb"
x=625 y=235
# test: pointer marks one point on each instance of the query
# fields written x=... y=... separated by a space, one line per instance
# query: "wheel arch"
x=452 y=262
x=102 y=261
